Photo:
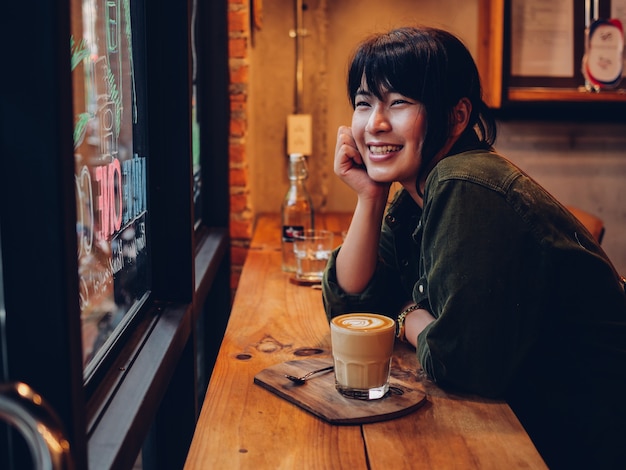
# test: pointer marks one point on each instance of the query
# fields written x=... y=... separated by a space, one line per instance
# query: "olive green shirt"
x=527 y=305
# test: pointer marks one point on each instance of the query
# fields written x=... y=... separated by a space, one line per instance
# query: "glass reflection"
x=110 y=176
x=195 y=127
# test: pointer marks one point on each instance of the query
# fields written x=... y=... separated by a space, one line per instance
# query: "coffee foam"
x=363 y=322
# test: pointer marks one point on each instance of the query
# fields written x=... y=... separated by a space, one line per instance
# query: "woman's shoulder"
x=484 y=167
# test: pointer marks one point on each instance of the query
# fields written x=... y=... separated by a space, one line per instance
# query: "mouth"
x=383 y=149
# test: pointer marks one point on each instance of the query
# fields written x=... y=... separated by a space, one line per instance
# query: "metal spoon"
x=302 y=380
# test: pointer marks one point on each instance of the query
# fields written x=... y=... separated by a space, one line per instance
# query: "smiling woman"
x=462 y=245
x=389 y=129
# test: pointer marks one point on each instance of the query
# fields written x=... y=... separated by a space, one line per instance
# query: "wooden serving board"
x=319 y=396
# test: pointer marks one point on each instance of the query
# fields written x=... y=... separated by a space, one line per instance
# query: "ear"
x=460 y=116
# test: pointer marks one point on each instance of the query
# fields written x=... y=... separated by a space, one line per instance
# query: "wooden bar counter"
x=243 y=425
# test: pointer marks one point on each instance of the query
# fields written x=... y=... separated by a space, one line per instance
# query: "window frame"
x=129 y=407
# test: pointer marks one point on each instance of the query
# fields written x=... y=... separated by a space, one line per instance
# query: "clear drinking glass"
x=312 y=249
x=362 y=346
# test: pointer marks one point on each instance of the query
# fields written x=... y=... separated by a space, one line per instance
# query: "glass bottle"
x=296 y=210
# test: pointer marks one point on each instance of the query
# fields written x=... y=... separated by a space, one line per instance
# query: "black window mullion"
x=169 y=141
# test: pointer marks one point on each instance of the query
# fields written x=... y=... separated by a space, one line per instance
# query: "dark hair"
x=431 y=66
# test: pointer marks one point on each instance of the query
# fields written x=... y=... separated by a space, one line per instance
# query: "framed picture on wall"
x=531 y=58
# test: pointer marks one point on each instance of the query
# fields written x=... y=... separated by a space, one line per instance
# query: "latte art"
x=364 y=322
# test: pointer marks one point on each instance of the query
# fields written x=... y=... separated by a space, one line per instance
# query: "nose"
x=378 y=121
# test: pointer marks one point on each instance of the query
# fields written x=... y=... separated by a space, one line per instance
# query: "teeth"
x=383 y=149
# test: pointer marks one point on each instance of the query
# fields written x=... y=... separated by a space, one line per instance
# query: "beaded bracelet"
x=400 y=332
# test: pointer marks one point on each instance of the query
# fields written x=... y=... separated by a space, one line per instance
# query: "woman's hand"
x=350 y=167
x=356 y=261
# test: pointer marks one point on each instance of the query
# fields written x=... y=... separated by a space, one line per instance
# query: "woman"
x=500 y=289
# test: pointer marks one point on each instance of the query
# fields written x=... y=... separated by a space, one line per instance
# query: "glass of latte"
x=362 y=345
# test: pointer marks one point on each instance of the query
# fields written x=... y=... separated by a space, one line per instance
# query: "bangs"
x=391 y=62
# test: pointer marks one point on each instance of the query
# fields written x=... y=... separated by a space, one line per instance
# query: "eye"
x=400 y=101
x=360 y=103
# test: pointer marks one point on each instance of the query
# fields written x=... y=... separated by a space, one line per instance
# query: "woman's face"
x=389 y=133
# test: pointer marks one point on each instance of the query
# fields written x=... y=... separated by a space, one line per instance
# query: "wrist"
x=400 y=322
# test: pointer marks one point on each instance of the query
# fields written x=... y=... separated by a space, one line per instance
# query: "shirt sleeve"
x=480 y=265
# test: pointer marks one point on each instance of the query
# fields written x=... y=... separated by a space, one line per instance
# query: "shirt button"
x=421 y=288
x=405 y=262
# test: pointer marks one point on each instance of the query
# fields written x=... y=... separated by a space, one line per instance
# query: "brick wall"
x=241 y=212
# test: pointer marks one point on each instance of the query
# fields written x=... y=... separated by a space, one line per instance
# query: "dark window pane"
x=110 y=173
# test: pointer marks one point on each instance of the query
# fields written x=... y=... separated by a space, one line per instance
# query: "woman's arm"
x=415 y=322
x=357 y=259
x=482 y=272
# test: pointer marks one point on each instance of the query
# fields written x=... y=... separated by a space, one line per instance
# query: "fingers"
x=346 y=153
x=344 y=138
